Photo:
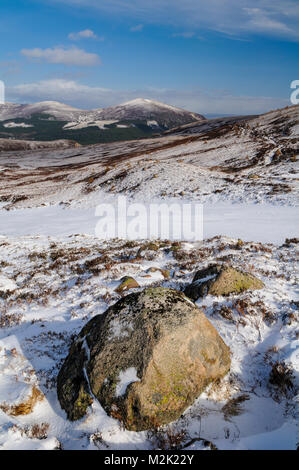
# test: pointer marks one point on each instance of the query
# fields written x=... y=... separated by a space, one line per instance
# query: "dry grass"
x=233 y=406
x=26 y=407
x=282 y=378
x=36 y=431
x=167 y=438
x=9 y=320
x=174 y=438
x=97 y=439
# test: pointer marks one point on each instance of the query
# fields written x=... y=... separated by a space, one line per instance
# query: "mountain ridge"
x=140 y=107
x=52 y=120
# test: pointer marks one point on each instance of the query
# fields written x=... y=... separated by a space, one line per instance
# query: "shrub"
x=282 y=377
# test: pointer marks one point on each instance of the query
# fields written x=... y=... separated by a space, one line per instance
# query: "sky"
x=207 y=56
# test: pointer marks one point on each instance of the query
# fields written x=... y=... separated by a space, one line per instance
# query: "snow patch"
x=9 y=125
x=7 y=284
x=126 y=378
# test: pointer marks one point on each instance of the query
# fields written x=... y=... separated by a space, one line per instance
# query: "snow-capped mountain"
x=60 y=111
x=51 y=120
x=162 y=114
x=140 y=109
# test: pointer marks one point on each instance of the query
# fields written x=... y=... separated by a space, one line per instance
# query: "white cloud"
x=76 y=94
x=260 y=21
x=137 y=28
x=280 y=18
x=62 y=55
x=85 y=34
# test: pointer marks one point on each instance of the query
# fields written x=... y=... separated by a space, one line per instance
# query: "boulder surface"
x=146 y=359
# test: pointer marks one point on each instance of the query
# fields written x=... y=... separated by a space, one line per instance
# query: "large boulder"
x=219 y=279
x=146 y=359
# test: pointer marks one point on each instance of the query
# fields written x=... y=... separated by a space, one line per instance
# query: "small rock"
x=127 y=283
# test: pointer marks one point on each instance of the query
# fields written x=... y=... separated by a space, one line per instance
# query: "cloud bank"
x=62 y=55
x=266 y=17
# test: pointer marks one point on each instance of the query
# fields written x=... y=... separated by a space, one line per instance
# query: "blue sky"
x=215 y=56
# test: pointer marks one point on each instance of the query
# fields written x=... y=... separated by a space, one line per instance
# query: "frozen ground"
x=259 y=222
x=56 y=284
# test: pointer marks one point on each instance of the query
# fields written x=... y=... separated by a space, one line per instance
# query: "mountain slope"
x=148 y=110
x=250 y=161
x=7 y=145
x=59 y=111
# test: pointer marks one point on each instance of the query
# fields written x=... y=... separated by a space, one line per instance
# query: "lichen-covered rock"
x=219 y=279
x=126 y=283
x=146 y=359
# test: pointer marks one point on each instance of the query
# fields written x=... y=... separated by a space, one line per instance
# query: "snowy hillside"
x=143 y=109
x=248 y=161
x=59 y=110
x=8 y=145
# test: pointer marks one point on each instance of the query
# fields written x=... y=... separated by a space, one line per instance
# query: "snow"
x=153 y=105
x=119 y=329
x=17 y=124
x=152 y=123
x=82 y=125
x=264 y=223
x=7 y=284
x=64 y=301
x=283 y=438
x=59 y=110
x=125 y=378
x=145 y=103
x=204 y=279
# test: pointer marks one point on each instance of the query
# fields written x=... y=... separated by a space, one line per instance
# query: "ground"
x=60 y=283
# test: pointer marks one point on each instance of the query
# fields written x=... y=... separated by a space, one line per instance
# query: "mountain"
x=59 y=111
x=160 y=114
x=51 y=120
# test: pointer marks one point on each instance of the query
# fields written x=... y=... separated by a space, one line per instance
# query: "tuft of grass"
x=282 y=377
x=9 y=320
x=233 y=406
x=26 y=407
x=97 y=439
x=36 y=431
x=167 y=438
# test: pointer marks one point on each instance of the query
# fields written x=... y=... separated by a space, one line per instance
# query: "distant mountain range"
x=51 y=120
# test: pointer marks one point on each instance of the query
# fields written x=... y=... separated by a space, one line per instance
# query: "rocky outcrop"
x=219 y=279
x=146 y=359
x=8 y=145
